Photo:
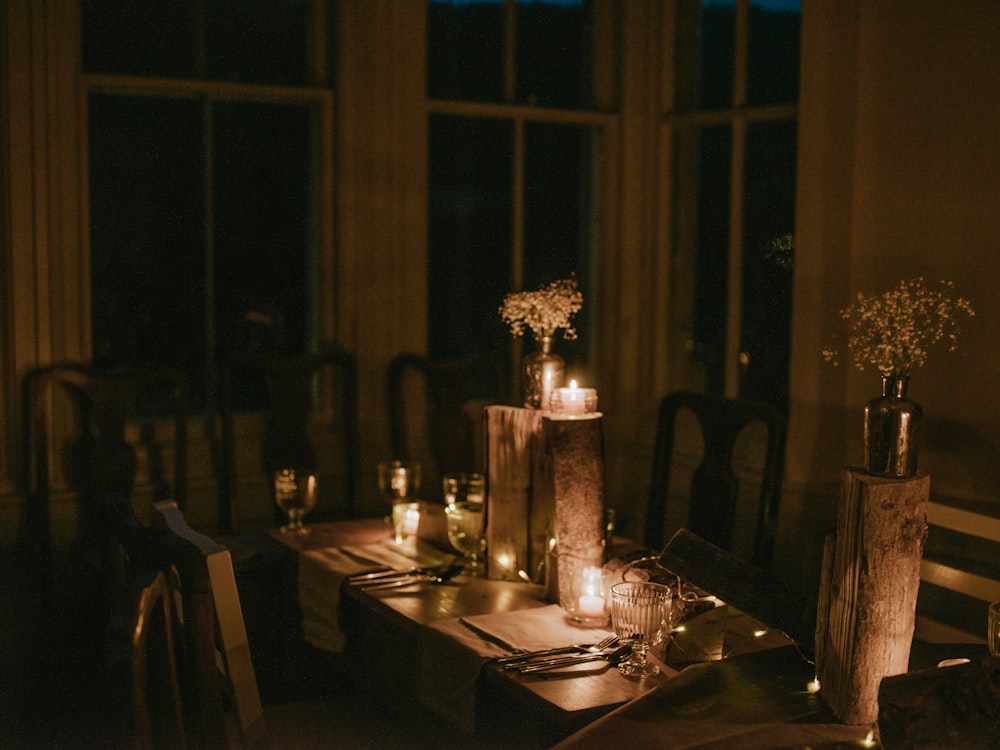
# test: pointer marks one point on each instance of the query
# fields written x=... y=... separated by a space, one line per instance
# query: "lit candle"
x=813 y=686
x=591 y=602
x=574 y=401
x=412 y=521
x=405 y=521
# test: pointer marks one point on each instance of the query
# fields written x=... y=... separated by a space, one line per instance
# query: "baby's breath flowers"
x=544 y=311
x=894 y=330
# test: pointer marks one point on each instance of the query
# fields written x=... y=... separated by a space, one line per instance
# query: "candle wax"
x=591 y=606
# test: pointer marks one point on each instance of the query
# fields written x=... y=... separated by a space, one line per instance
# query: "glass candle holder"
x=586 y=603
x=406 y=521
x=573 y=402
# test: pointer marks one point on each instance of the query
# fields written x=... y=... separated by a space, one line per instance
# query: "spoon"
x=620 y=653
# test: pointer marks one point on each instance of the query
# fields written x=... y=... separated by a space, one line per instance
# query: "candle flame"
x=572 y=385
x=869 y=740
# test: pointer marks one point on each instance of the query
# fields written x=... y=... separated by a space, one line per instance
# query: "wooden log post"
x=520 y=508
x=870 y=587
x=576 y=452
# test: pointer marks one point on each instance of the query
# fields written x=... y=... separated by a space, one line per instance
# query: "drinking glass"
x=461 y=488
x=467 y=534
x=640 y=616
x=993 y=635
x=398 y=480
x=295 y=494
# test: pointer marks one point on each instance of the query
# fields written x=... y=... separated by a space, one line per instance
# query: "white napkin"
x=532 y=629
x=452 y=653
x=322 y=572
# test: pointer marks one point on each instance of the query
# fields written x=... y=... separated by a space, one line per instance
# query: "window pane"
x=773 y=52
x=263 y=199
x=554 y=39
x=470 y=234
x=138 y=37
x=465 y=43
x=147 y=259
x=259 y=42
x=557 y=218
x=712 y=254
x=717 y=35
x=769 y=215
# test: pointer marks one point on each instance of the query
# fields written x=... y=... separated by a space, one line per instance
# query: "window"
x=514 y=153
x=732 y=126
x=204 y=145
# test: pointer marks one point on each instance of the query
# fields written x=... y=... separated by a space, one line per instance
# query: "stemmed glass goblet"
x=640 y=616
x=467 y=534
x=398 y=481
x=295 y=494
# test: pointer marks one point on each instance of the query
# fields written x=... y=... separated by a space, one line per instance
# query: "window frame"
x=319 y=98
x=739 y=116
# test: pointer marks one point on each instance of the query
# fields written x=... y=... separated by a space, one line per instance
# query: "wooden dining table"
x=432 y=644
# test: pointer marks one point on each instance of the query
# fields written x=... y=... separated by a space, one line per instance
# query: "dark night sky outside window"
x=174 y=268
x=476 y=161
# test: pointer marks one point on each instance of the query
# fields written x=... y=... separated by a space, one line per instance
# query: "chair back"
x=144 y=661
x=221 y=703
x=87 y=432
x=287 y=411
x=734 y=459
x=959 y=574
x=435 y=413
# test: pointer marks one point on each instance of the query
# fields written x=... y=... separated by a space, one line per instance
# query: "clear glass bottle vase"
x=543 y=372
x=892 y=430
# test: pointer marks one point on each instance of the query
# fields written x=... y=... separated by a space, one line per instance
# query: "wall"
x=898 y=178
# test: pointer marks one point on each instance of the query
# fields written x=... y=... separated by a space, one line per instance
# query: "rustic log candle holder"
x=868 y=592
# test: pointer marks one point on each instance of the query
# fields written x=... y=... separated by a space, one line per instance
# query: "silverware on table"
x=613 y=657
x=515 y=660
x=362 y=579
x=432 y=575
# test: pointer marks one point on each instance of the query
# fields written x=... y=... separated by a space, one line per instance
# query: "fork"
x=622 y=652
x=514 y=660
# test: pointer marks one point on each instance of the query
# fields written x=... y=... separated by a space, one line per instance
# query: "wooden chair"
x=221 y=705
x=959 y=574
x=146 y=676
x=294 y=411
x=433 y=416
x=87 y=433
x=719 y=471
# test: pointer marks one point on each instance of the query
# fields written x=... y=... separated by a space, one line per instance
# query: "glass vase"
x=892 y=430
x=543 y=373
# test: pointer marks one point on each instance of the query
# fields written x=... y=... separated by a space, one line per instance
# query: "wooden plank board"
x=736 y=582
x=520 y=509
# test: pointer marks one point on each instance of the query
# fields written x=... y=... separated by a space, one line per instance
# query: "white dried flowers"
x=894 y=330
x=544 y=311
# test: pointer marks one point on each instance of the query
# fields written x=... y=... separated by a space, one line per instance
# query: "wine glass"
x=295 y=494
x=467 y=534
x=398 y=481
x=458 y=488
x=640 y=616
